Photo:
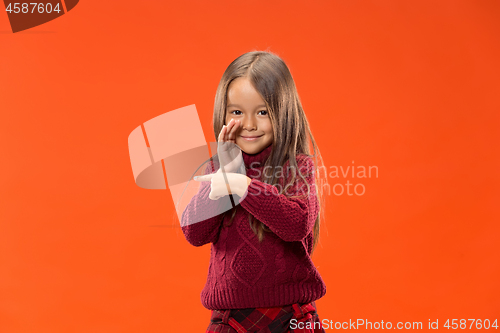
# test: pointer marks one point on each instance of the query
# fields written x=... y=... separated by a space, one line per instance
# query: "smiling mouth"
x=250 y=138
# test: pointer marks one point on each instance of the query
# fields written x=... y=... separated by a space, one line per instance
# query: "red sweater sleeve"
x=291 y=219
x=202 y=217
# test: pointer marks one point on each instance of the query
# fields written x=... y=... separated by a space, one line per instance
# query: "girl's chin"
x=251 y=151
x=251 y=147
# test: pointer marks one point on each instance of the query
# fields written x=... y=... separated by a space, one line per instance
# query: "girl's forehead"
x=243 y=95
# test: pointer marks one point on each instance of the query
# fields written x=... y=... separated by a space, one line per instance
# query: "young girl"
x=261 y=277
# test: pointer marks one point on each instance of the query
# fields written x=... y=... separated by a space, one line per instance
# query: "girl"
x=261 y=277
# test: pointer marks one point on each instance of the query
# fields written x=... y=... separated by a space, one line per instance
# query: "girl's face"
x=244 y=103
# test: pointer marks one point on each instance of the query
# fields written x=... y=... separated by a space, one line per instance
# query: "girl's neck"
x=256 y=160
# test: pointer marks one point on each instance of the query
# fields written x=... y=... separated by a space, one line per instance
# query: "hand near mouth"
x=230 y=155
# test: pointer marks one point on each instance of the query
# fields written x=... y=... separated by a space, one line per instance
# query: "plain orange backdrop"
x=408 y=86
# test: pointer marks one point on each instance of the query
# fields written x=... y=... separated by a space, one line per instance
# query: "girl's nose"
x=249 y=124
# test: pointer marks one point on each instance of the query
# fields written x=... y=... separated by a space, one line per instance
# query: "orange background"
x=408 y=86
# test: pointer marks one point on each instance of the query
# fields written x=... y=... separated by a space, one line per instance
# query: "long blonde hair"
x=271 y=77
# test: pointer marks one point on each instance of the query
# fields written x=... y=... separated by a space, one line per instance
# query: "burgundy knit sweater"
x=244 y=273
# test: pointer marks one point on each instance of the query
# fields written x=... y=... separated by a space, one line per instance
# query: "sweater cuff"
x=202 y=208
x=257 y=192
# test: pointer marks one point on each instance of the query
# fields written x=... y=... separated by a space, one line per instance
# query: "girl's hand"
x=223 y=184
x=230 y=156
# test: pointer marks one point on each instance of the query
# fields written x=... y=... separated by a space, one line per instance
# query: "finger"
x=203 y=178
x=230 y=127
x=222 y=133
x=232 y=133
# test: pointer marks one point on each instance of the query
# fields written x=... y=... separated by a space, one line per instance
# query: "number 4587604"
x=36 y=7
x=477 y=323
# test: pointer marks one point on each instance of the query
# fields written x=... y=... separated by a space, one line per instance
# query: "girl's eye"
x=239 y=112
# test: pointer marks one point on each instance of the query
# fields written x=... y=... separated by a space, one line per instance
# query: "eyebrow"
x=239 y=106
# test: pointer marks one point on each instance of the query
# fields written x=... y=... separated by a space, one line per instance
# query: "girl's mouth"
x=250 y=138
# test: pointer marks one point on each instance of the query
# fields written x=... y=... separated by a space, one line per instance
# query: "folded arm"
x=291 y=219
x=202 y=217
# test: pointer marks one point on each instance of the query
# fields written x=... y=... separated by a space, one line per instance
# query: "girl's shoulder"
x=302 y=159
x=304 y=163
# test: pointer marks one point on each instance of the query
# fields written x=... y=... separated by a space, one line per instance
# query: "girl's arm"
x=291 y=219
x=197 y=228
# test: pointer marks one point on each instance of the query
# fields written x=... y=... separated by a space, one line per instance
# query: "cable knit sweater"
x=244 y=273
